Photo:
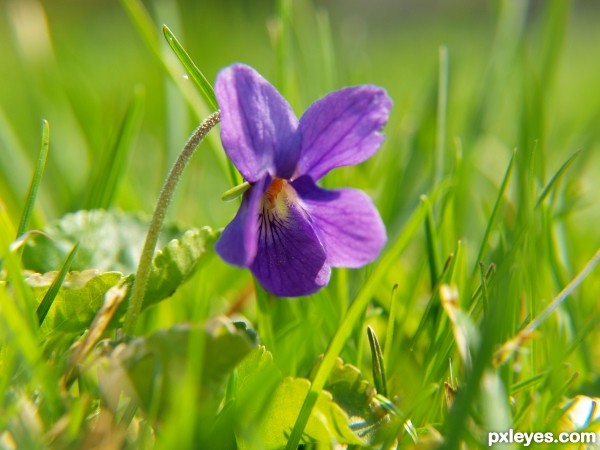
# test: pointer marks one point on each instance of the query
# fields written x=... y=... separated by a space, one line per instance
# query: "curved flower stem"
x=164 y=199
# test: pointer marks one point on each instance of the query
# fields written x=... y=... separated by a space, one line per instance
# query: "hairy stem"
x=164 y=199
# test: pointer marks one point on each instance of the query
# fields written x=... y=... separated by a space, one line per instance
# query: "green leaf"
x=368 y=412
x=328 y=421
x=347 y=411
x=148 y=368
x=77 y=301
x=257 y=379
x=108 y=241
x=175 y=263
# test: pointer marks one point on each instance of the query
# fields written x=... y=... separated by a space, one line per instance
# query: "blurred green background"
x=77 y=63
x=521 y=74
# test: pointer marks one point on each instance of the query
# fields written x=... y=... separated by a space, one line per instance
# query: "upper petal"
x=290 y=260
x=342 y=129
x=346 y=221
x=238 y=242
x=257 y=124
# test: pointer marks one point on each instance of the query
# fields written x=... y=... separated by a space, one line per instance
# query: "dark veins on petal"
x=290 y=260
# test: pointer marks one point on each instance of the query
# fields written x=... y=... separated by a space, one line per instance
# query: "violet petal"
x=238 y=242
x=258 y=126
x=342 y=129
x=346 y=221
x=290 y=260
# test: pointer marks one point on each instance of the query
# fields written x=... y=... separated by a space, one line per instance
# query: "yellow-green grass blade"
x=105 y=184
x=35 y=180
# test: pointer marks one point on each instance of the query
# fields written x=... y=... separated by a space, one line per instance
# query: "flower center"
x=275 y=195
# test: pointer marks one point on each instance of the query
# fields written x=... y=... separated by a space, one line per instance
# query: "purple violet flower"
x=288 y=230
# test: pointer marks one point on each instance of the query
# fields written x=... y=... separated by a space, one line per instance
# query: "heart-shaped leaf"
x=108 y=241
x=147 y=368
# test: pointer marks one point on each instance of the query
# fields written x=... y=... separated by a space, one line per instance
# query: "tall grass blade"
x=431 y=242
x=556 y=177
x=35 y=180
x=283 y=47
x=105 y=184
x=265 y=326
x=442 y=106
x=19 y=323
x=504 y=352
x=328 y=59
x=147 y=30
x=492 y=220
x=389 y=332
x=197 y=77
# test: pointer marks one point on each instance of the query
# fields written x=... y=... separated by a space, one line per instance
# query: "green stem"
x=164 y=199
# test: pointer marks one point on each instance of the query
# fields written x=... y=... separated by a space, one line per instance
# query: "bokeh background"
x=521 y=75
x=78 y=63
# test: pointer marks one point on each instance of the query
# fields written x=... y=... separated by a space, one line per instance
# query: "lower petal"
x=290 y=260
x=346 y=221
x=238 y=243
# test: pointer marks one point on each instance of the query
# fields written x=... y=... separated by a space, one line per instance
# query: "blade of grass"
x=35 y=180
x=492 y=220
x=556 y=18
x=19 y=322
x=104 y=185
x=265 y=326
x=283 y=47
x=474 y=301
x=148 y=31
x=46 y=303
x=508 y=348
x=484 y=288
x=556 y=177
x=527 y=383
x=377 y=363
x=431 y=313
x=432 y=244
x=25 y=303
x=389 y=332
x=195 y=74
x=442 y=103
x=328 y=57
x=14 y=163
x=351 y=318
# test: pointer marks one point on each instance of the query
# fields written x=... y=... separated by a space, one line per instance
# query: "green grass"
x=487 y=183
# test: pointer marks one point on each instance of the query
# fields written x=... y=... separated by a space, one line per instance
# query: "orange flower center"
x=278 y=197
x=272 y=192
